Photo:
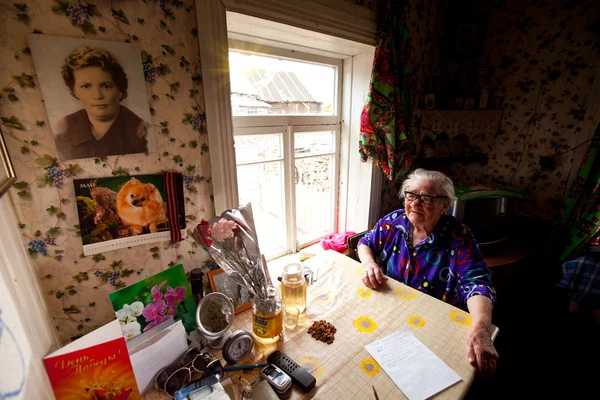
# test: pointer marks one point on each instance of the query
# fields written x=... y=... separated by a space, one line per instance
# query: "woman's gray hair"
x=443 y=182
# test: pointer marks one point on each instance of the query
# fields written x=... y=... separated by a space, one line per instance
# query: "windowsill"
x=276 y=265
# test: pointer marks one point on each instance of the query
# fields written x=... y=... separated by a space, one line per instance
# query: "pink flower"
x=154 y=310
x=156 y=293
x=223 y=229
x=174 y=295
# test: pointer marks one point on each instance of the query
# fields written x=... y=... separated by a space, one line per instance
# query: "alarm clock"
x=237 y=346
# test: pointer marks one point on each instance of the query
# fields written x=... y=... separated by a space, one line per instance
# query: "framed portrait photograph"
x=430 y=101
x=95 y=96
x=223 y=283
x=7 y=172
x=459 y=103
x=469 y=103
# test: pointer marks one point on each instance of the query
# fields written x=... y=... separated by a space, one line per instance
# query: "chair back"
x=353 y=244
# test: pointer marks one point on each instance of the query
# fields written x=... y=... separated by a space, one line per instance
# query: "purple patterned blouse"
x=447 y=265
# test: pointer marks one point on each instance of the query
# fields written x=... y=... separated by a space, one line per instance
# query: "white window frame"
x=360 y=194
x=288 y=125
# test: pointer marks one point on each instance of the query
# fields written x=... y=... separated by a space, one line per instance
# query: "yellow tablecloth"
x=344 y=369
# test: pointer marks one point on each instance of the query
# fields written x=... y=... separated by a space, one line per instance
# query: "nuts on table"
x=323 y=331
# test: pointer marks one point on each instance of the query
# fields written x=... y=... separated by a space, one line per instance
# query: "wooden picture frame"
x=430 y=101
x=223 y=283
x=7 y=172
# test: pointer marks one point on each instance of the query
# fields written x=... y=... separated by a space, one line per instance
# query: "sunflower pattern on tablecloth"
x=416 y=321
x=313 y=366
x=461 y=318
x=405 y=292
x=365 y=324
x=369 y=366
x=364 y=293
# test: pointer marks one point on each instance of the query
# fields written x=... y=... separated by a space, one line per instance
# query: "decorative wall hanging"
x=95 y=96
x=124 y=211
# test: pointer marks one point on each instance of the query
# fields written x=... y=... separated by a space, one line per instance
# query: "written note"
x=415 y=369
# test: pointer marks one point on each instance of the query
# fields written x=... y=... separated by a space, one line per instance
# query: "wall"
x=75 y=287
x=544 y=56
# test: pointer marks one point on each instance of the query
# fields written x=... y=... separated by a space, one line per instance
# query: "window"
x=286 y=124
x=224 y=27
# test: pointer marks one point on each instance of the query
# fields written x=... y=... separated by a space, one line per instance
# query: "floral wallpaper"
x=77 y=287
x=543 y=56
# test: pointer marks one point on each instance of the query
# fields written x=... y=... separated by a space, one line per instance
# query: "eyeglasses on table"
x=179 y=374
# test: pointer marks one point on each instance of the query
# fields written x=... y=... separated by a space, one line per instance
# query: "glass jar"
x=293 y=287
x=267 y=317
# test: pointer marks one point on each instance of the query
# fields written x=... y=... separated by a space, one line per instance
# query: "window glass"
x=252 y=148
x=262 y=185
x=262 y=85
x=313 y=142
x=313 y=176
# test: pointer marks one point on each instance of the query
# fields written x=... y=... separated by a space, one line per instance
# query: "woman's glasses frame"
x=179 y=373
x=423 y=198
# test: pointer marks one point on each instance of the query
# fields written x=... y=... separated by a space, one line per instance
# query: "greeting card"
x=147 y=303
x=95 y=366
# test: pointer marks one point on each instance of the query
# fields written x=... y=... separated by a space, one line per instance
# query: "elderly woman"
x=103 y=127
x=433 y=252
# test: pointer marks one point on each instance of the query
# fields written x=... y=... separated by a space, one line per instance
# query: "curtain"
x=383 y=134
x=581 y=209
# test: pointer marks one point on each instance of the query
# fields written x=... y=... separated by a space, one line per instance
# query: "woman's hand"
x=481 y=352
x=372 y=274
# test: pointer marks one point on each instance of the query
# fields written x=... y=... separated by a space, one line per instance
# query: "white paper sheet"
x=156 y=353
x=415 y=369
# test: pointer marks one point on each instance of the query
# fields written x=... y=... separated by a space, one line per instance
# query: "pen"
x=375 y=393
x=238 y=367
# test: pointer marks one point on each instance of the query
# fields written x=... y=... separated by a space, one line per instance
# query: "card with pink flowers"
x=151 y=301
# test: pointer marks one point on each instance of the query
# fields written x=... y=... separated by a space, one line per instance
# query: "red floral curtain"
x=383 y=135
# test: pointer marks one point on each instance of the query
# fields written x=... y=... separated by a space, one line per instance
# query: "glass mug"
x=267 y=317
x=179 y=374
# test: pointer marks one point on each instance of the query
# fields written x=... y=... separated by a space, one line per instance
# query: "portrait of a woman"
x=103 y=126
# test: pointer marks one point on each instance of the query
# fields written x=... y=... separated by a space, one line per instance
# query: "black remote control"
x=300 y=376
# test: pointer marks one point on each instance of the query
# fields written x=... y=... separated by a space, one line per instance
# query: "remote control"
x=300 y=376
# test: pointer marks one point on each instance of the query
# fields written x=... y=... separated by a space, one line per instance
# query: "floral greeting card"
x=149 y=302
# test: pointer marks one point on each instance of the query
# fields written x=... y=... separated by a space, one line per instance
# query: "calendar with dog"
x=123 y=211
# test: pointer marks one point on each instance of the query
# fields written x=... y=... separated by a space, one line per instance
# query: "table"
x=344 y=369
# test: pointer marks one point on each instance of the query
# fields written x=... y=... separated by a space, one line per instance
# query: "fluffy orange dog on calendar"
x=140 y=205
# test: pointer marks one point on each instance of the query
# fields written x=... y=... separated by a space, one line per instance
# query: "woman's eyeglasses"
x=424 y=198
x=179 y=374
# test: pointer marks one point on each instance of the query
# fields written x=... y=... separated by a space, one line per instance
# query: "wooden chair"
x=353 y=244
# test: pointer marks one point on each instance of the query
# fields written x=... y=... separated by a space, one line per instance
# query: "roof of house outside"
x=271 y=86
